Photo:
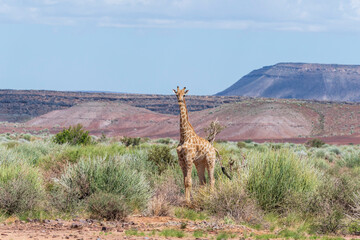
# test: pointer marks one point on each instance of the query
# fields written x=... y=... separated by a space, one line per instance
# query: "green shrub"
x=7 y=156
x=315 y=143
x=241 y=144
x=164 y=140
x=110 y=175
x=275 y=146
x=350 y=160
x=74 y=135
x=248 y=141
x=108 y=205
x=27 y=137
x=21 y=188
x=11 y=144
x=103 y=138
x=189 y=214
x=330 y=221
x=333 y=200
x=320 y=154
x=129 y=141
x=330 y=157
x=34 y=152
x=229 y=199
x=354 y=228
x=74 y=153
x=273 y=175
x=339 y=187
x=335 y=150
x=161 y=156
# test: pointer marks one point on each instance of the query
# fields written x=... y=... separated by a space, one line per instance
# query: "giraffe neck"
x=186 y=130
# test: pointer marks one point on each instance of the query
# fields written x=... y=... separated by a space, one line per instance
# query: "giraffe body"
x=193 y=149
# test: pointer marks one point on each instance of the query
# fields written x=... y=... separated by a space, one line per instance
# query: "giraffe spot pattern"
x=193 y=149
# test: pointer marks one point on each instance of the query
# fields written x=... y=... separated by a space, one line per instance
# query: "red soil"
x=256 y=119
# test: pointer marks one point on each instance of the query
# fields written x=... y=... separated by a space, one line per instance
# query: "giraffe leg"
x=186 y=167
x=185 y=163
x=211 y=177
x=200 y=167
x=184 y=170
x=210 y=159
x=188 y=181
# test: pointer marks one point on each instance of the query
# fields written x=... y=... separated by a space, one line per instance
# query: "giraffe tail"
x=222 y=167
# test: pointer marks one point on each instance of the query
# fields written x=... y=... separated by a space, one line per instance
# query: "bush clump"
x=273 y=175
x=166 y=194
x=241 y=144
x=129 y=141
x=21 y=188
x=351 y=160
x=109 y=175
x=34 y=152
x=164 y=141
x=74 y=135
x=108 y=205
x=335 y=150
x=229 y=199
x=317 y=143
x=161 y=156
x=334 y=200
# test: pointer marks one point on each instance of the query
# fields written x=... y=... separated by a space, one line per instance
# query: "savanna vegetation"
x=291 y=190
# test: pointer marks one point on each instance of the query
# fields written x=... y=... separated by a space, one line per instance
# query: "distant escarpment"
x=22 y=105
x=329 y=82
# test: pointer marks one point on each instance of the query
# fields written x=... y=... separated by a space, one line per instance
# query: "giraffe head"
x=180 y=93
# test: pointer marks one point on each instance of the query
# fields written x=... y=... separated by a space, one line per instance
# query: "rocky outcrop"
x=328 y=82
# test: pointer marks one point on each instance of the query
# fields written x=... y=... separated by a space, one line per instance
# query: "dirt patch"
x=134 y=228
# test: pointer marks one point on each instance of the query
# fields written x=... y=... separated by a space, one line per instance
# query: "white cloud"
x=355 y=5
x=4 y=8
x=281 y=15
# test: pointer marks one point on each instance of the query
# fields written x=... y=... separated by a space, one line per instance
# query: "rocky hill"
x=328 y=82
x=22 y=105
x=257 y=119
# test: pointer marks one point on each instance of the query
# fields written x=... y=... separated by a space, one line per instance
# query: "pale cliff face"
x=301 y=81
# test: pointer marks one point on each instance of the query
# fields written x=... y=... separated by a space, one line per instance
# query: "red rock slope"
x=109 y=118
x=253 y=119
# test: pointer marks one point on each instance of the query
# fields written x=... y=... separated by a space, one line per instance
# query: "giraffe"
x=194 y=149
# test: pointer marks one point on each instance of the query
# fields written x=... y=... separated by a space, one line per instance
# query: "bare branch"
x=212 y=130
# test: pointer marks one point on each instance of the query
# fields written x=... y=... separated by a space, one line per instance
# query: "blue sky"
x=151 y=46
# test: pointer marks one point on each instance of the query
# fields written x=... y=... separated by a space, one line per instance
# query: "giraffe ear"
x=186 y=92
x=174 y=91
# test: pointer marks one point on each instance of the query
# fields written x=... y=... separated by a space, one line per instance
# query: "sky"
x=152 y=46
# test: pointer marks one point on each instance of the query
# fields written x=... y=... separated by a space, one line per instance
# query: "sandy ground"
x=90 y=229
x=148 y=228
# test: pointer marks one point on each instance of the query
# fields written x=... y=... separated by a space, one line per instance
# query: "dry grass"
x=167 y=194
x=229 y=199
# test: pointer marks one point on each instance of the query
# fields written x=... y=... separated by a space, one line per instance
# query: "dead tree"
x=212 y=130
